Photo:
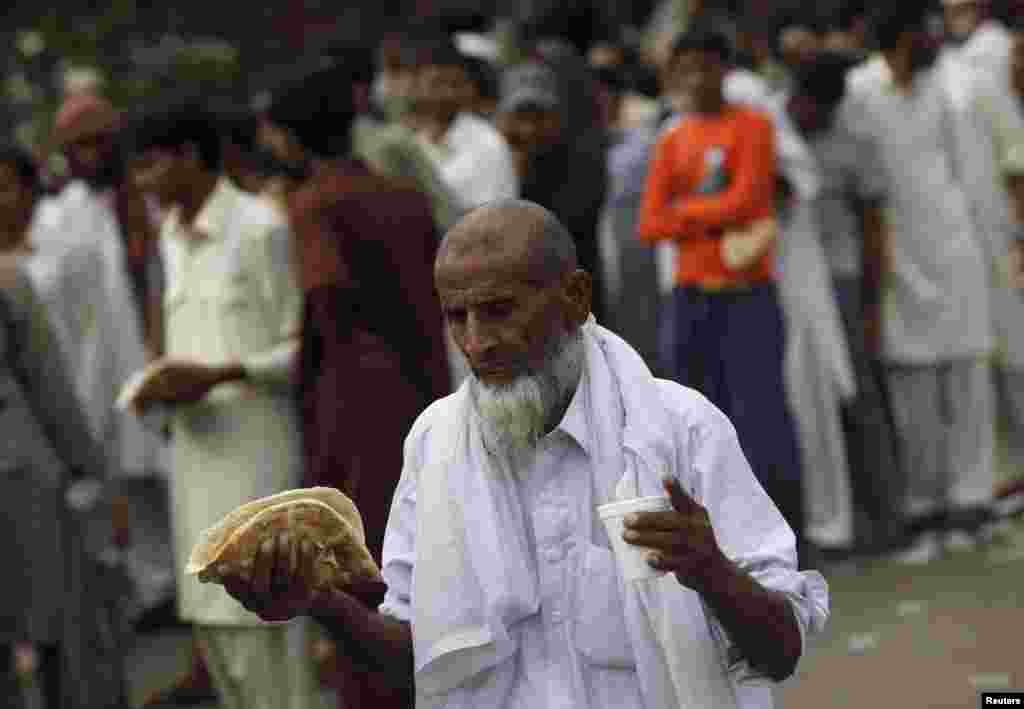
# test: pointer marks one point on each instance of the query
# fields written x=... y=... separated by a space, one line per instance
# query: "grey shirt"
x=852 y=174
x=936 y=305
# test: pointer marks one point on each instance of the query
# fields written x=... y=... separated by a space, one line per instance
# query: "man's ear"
x=578 y=294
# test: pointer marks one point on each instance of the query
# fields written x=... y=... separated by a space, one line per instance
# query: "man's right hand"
x=280 y=586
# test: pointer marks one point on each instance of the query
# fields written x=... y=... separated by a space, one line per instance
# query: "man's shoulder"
x=429 y=424
x=483 y=134
x=257 y=214
x=435 y=415
x=689 y=409
x=870 y=76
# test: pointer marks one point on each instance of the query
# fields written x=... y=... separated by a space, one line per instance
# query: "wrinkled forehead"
x=498 y=273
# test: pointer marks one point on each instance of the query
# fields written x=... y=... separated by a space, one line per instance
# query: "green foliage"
x=106 y=44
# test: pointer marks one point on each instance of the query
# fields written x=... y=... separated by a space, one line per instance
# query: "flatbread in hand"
x=322 y=515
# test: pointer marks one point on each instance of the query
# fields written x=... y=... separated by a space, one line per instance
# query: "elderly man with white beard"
x=502 y=589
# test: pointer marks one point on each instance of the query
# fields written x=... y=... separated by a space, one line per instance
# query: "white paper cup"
x=632 y=559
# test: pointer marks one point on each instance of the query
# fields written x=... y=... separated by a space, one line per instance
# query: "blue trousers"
x=730 y=346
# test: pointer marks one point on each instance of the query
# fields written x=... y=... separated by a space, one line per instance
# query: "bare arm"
x=368 y=636
x=760 y=621
x=278 y=590
x=875 y=257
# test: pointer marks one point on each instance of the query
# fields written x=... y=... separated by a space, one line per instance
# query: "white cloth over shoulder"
x=478 y=578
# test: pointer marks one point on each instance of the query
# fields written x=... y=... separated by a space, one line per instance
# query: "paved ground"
x=899 y=637
x=924 y=637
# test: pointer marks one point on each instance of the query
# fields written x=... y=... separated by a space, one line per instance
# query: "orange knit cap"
x=81 y=116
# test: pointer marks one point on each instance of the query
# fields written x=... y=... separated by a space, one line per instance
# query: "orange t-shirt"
x=709 y=174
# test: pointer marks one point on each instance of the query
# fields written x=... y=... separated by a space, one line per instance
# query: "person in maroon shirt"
x=373 y=353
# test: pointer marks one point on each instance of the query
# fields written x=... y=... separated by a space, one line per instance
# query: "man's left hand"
x=682 y=540
x=182 y=383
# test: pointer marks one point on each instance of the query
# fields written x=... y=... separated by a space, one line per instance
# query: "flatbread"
x=322 y=515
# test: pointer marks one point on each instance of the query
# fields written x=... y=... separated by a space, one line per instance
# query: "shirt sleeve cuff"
x=273 y=367
x=807 y=593
x=396 y=609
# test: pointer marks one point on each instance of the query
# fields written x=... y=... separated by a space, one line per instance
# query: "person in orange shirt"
x=711 y=189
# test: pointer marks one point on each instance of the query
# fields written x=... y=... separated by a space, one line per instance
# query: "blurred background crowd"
x=898 y=225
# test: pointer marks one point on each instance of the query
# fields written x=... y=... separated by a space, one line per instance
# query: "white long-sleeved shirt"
x=576 y=651
x=231 y=297
x=937 y=306
x=475 y=162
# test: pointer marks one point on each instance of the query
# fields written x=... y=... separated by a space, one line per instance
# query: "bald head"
x=513 y=232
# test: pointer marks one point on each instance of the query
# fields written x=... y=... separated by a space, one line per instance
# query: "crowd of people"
x=821 y=232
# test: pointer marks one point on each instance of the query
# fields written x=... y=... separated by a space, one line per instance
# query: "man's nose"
x=479 y=338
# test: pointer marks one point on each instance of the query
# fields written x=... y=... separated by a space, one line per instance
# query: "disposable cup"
x=632 y=559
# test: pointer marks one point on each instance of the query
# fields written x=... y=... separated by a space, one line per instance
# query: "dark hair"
x=484 y=76
x=357 y=59
x=240 y=127
x=824 y=78
x=705 y=37
x=440 y=51
x=180 y=125
x=453 y=20
x=24 y=166
x=1014 y=21
x=892 y=20
x=318 y=111
x=847 y=14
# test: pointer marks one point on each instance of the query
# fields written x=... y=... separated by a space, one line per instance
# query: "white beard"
x=513 y=417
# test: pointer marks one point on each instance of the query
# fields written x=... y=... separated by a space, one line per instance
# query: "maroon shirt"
x=373 y=352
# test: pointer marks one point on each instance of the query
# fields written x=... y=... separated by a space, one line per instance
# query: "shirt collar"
x=212 y=217
x=575 y=423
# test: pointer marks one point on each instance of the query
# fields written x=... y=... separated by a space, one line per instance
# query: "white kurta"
x=937 y=300
x=79 y=246
x=475 y=162
x=231 y=296
x=990 y=125
x=818 y=369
